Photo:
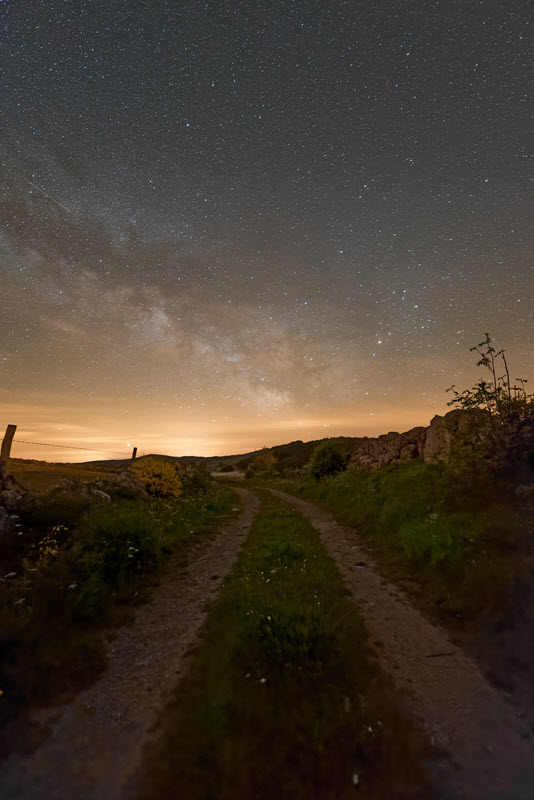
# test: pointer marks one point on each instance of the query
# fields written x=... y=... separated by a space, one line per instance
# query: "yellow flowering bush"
x=161 y=477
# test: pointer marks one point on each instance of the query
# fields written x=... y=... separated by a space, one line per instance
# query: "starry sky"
x=225 y=225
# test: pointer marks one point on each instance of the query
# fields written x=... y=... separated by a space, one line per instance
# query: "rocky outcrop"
x=433 y=444
x=10 y=489
x=12 y=495
x=458 y=427
x=517 y=467
x=390 y=448
x=102 y=489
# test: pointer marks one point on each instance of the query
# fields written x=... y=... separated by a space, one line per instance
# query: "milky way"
x=225 y=225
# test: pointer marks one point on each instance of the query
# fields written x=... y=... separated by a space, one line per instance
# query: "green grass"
x=76 y=568
x=281 y=699
x=458 y=545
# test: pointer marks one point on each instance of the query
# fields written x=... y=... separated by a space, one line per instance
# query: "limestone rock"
x=433 y=443
x=456 y=427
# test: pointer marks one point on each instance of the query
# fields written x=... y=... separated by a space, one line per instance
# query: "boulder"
x=12 y=493
x=458 y=427
x=5 y=521
x=102 y=488
x=124 y=480
x=103 y=496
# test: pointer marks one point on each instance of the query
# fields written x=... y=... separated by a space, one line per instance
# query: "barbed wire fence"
x=73 y=447
x=7 y=441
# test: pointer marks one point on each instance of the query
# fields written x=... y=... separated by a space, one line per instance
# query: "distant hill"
x=211 y=462
x=295 y=455
x=292 y=455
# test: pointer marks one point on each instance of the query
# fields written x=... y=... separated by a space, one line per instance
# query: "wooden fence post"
x=6 y=444
x=8 y=482
x=134 y=454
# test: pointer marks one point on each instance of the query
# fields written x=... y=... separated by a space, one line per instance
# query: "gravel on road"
x=483 y=749
x=95 y=747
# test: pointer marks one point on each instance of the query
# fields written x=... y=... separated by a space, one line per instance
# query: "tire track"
x=484 y=751
x=95 y=747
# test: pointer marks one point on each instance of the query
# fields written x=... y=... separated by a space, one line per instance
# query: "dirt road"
x=95 y=746
x=484 y=750
x=94 y=750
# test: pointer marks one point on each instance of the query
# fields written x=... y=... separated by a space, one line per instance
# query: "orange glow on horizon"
x=195 y=438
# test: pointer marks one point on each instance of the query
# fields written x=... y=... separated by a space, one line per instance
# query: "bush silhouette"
x=327 y=460
x=504 y=402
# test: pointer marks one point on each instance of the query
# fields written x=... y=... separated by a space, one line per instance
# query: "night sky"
x=233 y=224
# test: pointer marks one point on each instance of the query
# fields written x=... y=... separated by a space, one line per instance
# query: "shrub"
x=262 y=465
x=327 y=460
x=503 y=401
x=195 y=479
x=161 y=477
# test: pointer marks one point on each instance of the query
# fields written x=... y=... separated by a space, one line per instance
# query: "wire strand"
x=68 y=447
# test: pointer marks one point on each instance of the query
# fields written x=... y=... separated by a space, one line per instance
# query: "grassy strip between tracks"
x=456 y=545
x=282 y=698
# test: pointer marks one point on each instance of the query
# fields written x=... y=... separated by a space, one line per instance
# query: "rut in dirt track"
x=95 y=747
x=484 y=750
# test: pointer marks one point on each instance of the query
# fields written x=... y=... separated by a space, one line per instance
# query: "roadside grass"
x=456 y=546
x=41 y=477
x=281 y=698
x=75 y=567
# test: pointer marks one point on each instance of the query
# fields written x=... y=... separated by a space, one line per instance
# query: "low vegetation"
x=448 y=531
x=282 y=699
x=296 y=455
x=40 y=476
x=457 y=544
x=75 y=564
x=262 y=465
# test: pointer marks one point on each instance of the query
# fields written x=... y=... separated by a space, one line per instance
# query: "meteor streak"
x=50 y=198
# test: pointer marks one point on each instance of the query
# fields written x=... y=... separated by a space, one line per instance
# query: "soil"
x=484 y=750
x=94 y=748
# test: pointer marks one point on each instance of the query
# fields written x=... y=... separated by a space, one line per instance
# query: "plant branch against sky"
x=230 y=225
